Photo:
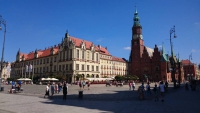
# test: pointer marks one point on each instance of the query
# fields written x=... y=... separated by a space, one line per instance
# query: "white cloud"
x=197 y=24
x=100 y=39
x=193 y=50
x=127 y=48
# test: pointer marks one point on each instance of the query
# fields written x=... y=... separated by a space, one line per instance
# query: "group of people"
x=193 y=85
x=15 y=87
x=83 y=84
x=161 y=88
x=131 y=85
x=56 y=88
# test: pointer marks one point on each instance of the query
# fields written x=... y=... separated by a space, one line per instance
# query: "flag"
x=30 y=68
x=26 y=68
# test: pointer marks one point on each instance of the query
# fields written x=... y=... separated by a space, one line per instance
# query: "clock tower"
x=137 y=46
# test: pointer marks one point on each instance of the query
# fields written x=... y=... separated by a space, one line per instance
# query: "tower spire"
x=135 y=8
x=163 y=49
x=136 y=17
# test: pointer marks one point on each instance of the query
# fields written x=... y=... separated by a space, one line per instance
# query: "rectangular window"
x=88 y=55
x=54 y=67
x=92 y=56
x=70 y=67
x=47 y=60
x=92 y=68
x=51 y=68
x=88 y=67
x=97 y=58
x=63 y=68
x=43 y=61
x=54 y=59
x=82 y=67
x=63 y=55
x=40 y=61
x=47 y=68
x=77 y=66
x=37 y=62
x=59 y=67
x=40 y=69
x=60 y=56
x=82 y=54
x=43 y=69
x=66 y=66
x=77 y=54
x=97 y=68
x=67 y=54
x=70 y=54
x=51 y=59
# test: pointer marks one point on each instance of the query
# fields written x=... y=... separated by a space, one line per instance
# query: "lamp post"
x=190 y=58
x=172 y=30
x=2 y=21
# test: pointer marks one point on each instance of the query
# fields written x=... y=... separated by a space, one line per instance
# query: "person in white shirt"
x=162 y=90
x=47 y=91
x=133 y=85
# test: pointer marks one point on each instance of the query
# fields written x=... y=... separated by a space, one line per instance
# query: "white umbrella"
x=24 y=79
x=49 y=79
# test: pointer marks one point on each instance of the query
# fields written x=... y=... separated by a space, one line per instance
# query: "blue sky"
x=36 y=24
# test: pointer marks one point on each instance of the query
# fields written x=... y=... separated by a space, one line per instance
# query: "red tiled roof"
x=186 y=62
x=41 y=53
x=77 y=42
x=88 y=45
x=118 y=59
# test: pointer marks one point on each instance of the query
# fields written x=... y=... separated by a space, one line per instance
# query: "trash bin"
x=80 y=94
x=2 y=88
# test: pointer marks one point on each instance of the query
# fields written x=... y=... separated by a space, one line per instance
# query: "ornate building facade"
x=151 y=63
x=71 y=57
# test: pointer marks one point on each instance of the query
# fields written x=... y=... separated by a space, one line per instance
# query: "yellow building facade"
x=72 y=57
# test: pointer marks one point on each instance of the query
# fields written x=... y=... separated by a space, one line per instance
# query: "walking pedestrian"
x=88 y=85
x=155 y=90
x=166 y=86
x=65 y=90
x=133 y=85
x=52 y=89
x=162 y=90
x=141 y=92
x=83 y=83
x=130 y=85
x=80 y=85
x=47 y=91
x=148 y=91
x=56 y=88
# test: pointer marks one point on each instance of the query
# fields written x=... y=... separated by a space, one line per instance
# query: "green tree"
x=119 y=78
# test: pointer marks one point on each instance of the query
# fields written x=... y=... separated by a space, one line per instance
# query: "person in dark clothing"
x=65 y=87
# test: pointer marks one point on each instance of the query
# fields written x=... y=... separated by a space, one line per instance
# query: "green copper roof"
x=136 y=18
x=164 y=58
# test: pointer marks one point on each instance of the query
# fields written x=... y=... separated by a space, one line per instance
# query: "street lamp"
x=2 y=21
x=190 y=58
x=172 y=30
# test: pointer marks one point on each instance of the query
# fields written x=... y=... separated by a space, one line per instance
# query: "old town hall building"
x=146 y=62
x=72 y=57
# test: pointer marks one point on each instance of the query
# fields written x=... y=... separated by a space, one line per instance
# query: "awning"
x=24 y=79
x=49 y=79
x=99 y=79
